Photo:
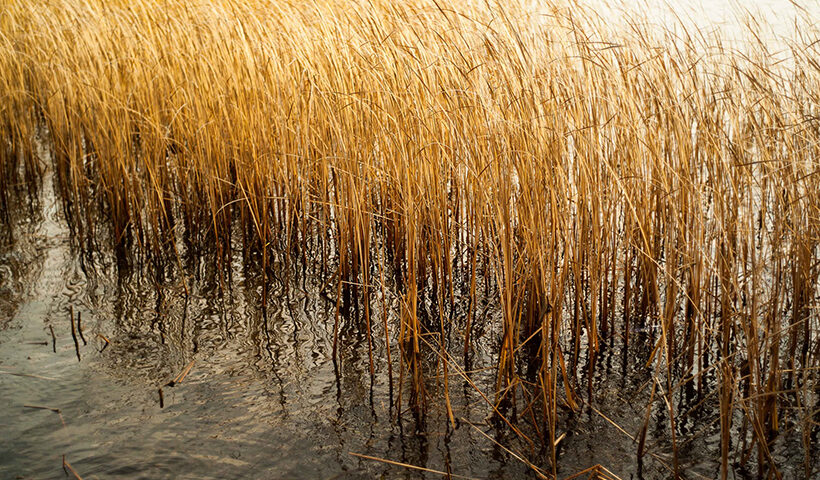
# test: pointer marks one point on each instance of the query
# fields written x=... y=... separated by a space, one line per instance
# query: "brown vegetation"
x=594 y=183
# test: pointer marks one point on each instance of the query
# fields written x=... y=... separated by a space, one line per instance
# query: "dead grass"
x=603 y=182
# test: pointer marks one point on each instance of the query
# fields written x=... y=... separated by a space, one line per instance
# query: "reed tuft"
x=602 y=188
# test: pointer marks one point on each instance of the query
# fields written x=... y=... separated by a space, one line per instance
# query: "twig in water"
x=107 y=342
x=26 y=375
x=595 y=471
x=540 y=473
x=181 y=375
x=39 y=407
x=68 y=468
x=407 y=465
x=55 y=410
x=657 y=457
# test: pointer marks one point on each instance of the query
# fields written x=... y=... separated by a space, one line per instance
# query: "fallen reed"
x=628 y=186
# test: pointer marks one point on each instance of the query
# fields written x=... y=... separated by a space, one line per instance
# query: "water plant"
x=600 y=186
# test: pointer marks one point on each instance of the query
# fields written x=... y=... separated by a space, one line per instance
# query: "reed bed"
x=594 y=184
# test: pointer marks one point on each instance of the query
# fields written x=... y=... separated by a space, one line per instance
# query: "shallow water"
x=254 y=405
x=263 y=398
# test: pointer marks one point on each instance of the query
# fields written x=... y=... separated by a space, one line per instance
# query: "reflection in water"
x=266 y=396
x=263 y=399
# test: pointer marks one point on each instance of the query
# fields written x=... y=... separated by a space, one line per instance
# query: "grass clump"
x=601 y=187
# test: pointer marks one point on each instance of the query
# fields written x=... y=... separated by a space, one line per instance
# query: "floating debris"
x=68 y=468
x=104 y=339
x=178 y=379
x=55 y=410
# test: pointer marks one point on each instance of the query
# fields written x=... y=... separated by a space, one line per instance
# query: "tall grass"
x=595 y=184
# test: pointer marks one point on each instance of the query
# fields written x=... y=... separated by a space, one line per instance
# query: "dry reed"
x=594 y=184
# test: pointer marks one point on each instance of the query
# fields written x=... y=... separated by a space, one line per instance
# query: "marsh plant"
x=594 y=186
